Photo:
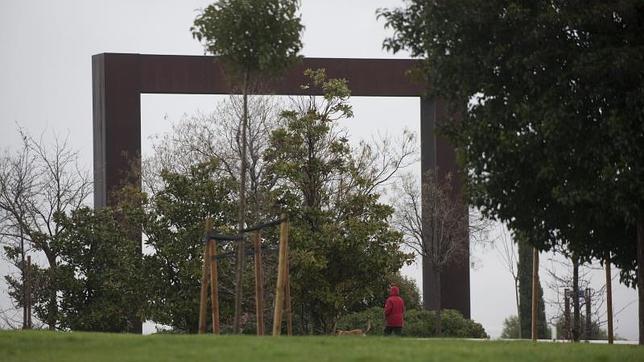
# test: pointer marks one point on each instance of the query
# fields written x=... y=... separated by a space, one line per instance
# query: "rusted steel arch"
x=118 y=80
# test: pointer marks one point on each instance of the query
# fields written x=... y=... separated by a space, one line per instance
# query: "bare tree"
x=506 y=248
x=17 y=181
x=38 y=183
x=202 y=137
x=435 y=229
x=381 y=159
x=562 y=275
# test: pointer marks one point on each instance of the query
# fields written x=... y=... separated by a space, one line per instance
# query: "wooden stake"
x=567 y=326
x=588 y=326
x=535 y=291
x=281 y=270
x=287 y=292
x=203 y=297
x=28 y=288
x=609 y=301
x=214 y=286
x=259 y=285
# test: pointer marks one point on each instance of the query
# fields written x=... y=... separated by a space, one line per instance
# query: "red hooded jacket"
x=394 y=309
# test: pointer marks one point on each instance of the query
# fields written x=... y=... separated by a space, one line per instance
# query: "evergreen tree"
x=174 y=228
x=551 y=99
x=343 y=248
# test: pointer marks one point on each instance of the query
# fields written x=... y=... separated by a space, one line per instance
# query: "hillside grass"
x=61 y=346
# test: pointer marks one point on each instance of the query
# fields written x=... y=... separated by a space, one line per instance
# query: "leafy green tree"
x=342 y=246
x=100 y=280
x=511 y=327
x=408 y=291
x=552 y=130
x=174 y=228
x=254 y=38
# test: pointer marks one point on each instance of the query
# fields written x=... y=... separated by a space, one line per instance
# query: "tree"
x=507 y=250
x=596 y=331
x=254 y=38
x=344 y=248
x=197 y=140
x=569 y=274
x=511 y=328
x=100 y=280
x=408 y=291
x=434 y=229
x=174 y=226
x=552 y=131
x=16 y=183
x=38 y=185
x=524 y=273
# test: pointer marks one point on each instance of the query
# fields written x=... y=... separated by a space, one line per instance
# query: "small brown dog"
x=354 y=332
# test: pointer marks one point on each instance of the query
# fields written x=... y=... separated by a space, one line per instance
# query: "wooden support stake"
x=281 y=270
x=567 y=325
x=588 y=326
x=203 y=297
x=259 y=284
x=535 y=291
x=214 y=286
x=28 y=288
x=287 y=301
x=609 y=301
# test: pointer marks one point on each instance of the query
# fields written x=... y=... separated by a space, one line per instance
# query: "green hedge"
x=418 y=323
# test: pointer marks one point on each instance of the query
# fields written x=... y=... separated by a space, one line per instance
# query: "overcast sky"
x=45 y=86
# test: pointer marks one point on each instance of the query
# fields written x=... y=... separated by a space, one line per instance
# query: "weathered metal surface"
x=120 y=79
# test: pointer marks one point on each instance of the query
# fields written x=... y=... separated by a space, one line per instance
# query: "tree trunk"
x=439 y=319
x=516 y=297
x=25 y=323
x=609 y=301
x=576 y=322
x=29 y=293
x=535 y=293
x=259 y=285
x=588 y=326
x=640 y=273
x=567 y=331
x=52 y=305
x=524 y=273
x=239 y=270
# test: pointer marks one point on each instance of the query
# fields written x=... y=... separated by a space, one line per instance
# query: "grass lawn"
x=47 y=346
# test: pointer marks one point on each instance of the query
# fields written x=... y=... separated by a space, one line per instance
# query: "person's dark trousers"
x=396 y=331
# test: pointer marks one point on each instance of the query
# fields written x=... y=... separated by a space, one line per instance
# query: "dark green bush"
x=418 y=323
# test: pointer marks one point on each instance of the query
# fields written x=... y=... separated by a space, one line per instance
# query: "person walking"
x=394 y=312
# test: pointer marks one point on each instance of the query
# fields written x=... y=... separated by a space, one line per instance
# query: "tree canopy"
x=551 y=99
x=261 y=37
x=552 y=128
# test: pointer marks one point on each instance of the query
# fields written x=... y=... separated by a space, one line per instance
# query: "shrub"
x=418 y=323
x=359 y=320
